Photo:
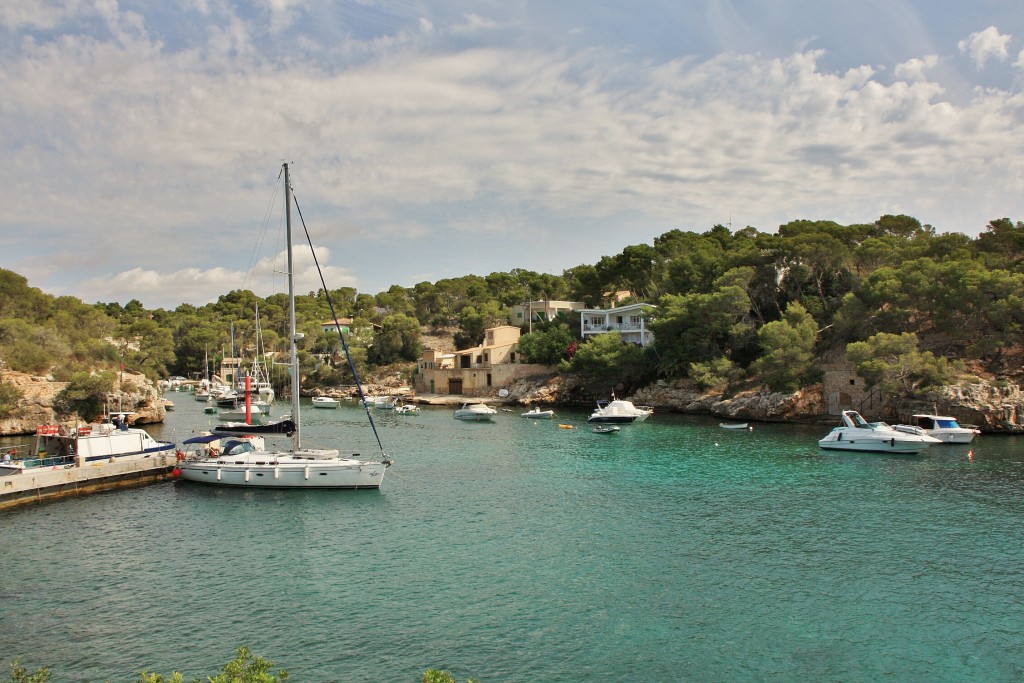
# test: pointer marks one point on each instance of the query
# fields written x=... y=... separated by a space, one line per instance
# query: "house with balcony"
x=629 y=321
x=524 y=315
x=476 y=371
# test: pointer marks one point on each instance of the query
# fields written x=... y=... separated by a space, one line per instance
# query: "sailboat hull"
x=264 y=472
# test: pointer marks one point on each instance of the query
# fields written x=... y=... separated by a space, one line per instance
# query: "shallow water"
x=518 y=551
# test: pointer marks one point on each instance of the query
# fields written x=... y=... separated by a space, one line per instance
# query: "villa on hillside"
x=524 y=315
x=476 y=371
x=332 y=325
x=628 y=320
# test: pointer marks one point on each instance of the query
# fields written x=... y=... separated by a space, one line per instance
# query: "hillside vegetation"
x=908 y=306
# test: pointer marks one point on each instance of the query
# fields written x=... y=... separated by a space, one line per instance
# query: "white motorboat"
x=944 y=428
x=475 y=411
x=325 y=402
x=733 y=425
x=538 y=414
x=78 y=446
x=857 y=434
x=618 y=411
x=297 y=467
x=239 y=414
x=402 y=408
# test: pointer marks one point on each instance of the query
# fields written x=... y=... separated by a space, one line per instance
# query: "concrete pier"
x=42 y=484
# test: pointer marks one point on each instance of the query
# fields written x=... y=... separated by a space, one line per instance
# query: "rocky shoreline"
x=995 y=407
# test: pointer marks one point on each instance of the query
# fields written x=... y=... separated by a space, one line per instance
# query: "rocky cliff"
x=135 y=393
x=994 y=407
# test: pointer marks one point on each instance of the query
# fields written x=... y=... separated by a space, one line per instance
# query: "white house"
x=629 y=321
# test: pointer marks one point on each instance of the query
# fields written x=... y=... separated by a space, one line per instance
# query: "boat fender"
x=247 y=475
x=839 y=437
x=176 y=472
x=892 y=442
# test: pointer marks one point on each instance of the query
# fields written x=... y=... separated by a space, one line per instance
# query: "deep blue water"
x=518 y=551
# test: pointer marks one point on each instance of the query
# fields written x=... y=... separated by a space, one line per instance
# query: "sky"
x=142 y=140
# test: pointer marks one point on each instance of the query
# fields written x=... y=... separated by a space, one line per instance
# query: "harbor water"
x=516 y=550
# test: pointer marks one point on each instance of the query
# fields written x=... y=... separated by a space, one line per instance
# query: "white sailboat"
x=297 y=467
x=258 y=370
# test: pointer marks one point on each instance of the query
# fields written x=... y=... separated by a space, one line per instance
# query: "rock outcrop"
x=994 y=407
x=36 y=407
x=758 y=404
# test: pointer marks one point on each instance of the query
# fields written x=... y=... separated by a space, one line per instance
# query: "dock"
x=53 y=483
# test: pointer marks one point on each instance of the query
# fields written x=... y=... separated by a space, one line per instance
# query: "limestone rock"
x=135 y=393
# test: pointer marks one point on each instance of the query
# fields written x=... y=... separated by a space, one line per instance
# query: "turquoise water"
x=518 y=551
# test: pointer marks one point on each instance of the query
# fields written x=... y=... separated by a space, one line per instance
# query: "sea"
x=519 y=550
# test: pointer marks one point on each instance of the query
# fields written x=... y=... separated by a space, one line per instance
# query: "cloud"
x=153 y=158
x=983 y=45
x=156 y=288
x=916 y=69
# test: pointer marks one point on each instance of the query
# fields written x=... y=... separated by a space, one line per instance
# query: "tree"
x=20 y=674
x=245 y=668
x=788 y=346
x=474 y=322
x=606 y=361
x=696 y=327
x=150 y=347
x=715 y=372
x=85 y=395
x=547 y=346
x=397 y=340
x=10 y=395
x=894 y=363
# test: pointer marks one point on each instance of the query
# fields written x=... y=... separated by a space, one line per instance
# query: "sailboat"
x=258 y=369
x=247 y=466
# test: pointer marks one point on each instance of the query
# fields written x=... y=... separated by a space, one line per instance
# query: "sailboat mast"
x=292 y=334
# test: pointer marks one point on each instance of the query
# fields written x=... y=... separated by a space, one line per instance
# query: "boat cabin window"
x=858 y=420
x=239 y=447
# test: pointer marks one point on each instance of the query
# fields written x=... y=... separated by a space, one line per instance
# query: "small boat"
x=538 y=414
x=403 y=408
x=239 y=414
x=325 y=402
x=857 y=434
x=475 y=412
x=944 y=428
x=607 y=429
x=226 y=398
x=168 y=404
x=565 y=426
x=619 y=412
x=733 y=425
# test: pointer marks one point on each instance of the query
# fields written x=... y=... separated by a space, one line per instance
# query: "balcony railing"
x=621 y=327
